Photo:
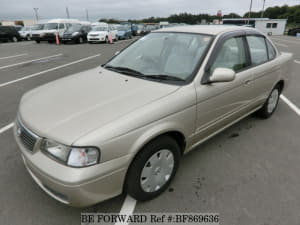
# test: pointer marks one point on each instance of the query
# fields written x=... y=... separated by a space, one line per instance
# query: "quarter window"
x=271 y=50
x=232 y=55
x=258 y=49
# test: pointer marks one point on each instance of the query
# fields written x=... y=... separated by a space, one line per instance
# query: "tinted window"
x=258 y=49
x=268 y=25
x=232 y=55
x=271 y=50
x=274 y=25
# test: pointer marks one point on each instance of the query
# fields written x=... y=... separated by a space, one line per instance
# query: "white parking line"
x=49 y=70
x=29 y=61
x=13 y=56
x=7 y=127
x=290 y=104
x=279 y=44
x=127 y=209
x=297 y=61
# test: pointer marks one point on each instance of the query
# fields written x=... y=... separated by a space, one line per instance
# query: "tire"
x=271 y=103
x=106 y=40
x=164 y=151
x=28 y=38
x=37 y=41
x=14 y=39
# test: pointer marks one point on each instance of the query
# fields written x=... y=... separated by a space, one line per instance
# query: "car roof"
x=205 y=29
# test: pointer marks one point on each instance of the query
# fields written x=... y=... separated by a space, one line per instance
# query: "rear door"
x=264 y=66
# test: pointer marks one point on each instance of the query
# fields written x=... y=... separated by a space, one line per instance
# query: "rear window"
x=258 y=49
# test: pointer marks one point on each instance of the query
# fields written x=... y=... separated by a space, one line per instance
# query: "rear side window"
x=271 y=50
x=232 y=55
x=258 y=49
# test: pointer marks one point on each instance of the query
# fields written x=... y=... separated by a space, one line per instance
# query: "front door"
x=219 y=104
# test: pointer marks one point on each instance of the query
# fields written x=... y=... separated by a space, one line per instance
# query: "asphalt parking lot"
x=249 y=173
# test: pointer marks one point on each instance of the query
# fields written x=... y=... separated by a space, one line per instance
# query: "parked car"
x=25 y=33
x=56 y=26
x=76 y=34
x=9 y=33
x=294 y=31
x=124 y=126
x=124 y=32
x=101 y=33
x=36 y=32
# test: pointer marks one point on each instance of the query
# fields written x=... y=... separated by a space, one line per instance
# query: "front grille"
x=27 y=138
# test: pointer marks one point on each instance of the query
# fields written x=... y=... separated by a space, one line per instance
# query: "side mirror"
x=117 y=53
x=222 y=75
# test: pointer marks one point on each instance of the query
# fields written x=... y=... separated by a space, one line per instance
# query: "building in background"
x=265 y=25
x=18 y=22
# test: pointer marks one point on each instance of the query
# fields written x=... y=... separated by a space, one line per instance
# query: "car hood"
x=69 y=108
x=98 y=32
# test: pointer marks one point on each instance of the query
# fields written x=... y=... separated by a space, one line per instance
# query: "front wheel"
x=271 y=103
x=153 y=169
x=14 y=39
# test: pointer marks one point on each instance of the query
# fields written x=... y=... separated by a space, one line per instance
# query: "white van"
x=56 y=26
x=101 y=33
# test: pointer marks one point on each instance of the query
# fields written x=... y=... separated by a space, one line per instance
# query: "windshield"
x=38 y=27
x=173 y=55
x=51 y=26
x=99 y=28
x=74 y=28
x=122 y=28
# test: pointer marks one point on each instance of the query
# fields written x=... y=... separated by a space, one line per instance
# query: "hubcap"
x=157 y=171
x=15 y=39
x=272 y=102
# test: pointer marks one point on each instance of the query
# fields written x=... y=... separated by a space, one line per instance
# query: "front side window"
x=172 y=56
x=61 y=26
x=258 y=49
x=51 y=26
x=232 y=55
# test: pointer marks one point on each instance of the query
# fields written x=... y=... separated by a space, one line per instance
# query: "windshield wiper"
x=125 y=70
x=164 y=77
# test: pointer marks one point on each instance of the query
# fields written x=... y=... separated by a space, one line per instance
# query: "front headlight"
x=75 y=33
x=72 y=156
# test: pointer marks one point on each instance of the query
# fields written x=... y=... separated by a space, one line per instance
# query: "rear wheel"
x=28 y=38
x=271 y=103
x=153 y=169
x=106 y=40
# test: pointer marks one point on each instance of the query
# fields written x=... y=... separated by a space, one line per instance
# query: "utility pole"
x=249 y=16
x=67 y=11
x=263 y=9
x=36 y=14
x=87 y=14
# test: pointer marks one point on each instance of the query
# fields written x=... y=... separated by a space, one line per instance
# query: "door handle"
x=247 y=82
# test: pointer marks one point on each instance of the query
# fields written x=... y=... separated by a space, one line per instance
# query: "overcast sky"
x=126 y=9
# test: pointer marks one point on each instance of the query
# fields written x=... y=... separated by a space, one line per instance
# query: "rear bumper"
x=77 y=187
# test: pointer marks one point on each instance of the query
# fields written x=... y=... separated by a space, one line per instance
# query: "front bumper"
x=96 y=39
x=77 y=187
